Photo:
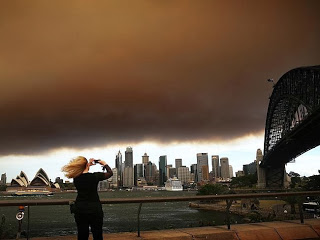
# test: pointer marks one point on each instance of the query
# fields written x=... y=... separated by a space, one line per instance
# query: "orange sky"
x=88 y=73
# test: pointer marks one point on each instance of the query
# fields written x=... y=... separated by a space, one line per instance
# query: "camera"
x=96 y=161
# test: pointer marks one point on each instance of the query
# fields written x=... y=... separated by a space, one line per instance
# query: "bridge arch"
x=293 y=117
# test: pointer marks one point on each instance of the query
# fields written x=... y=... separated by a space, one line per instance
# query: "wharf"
x=284 y=230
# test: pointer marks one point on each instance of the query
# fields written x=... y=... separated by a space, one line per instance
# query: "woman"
x=88 y=209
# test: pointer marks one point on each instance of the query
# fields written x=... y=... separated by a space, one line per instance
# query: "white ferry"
x=173 y=184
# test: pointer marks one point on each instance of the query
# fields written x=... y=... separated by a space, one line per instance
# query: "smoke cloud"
x=88 y=73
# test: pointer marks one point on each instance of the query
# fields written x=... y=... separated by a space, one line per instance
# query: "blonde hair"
x=75 y=167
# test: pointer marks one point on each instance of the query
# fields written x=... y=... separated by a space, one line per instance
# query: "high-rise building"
x=202 y=160
x=138 y=172
x=224 y=163
x=205 y=173
x=113 y=181
x=184 y=174
x=172 y=172
x=193 y=172
x=178 y=162
x=119 y=167
x=128 y=161
x=150 y=173
x=128 y=177
x=162 y=170
x=230 y=171
x=3 y=180
x=215 y=166
x=250 y=168
x=145 y=159
x=168 y=167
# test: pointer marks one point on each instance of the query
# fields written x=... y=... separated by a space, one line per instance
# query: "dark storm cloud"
x=81 y=74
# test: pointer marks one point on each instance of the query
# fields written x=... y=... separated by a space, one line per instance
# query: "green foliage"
x=212 y=189
x=3 y=187
x=312 y=183
x=244 y=181
x=295 y=179
x=254 y=216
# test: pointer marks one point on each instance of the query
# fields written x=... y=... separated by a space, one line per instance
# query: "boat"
x=173 y=184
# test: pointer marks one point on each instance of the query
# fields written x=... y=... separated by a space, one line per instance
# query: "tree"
x=312 y=183
x=244 y=181
x=212 y=189
x=295 y=179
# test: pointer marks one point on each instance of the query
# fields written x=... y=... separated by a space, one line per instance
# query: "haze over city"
x=171 y=78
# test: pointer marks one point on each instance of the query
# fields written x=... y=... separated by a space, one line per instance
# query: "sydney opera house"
x=39 y=184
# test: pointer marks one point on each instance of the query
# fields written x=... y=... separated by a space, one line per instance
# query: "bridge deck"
x=266 y=230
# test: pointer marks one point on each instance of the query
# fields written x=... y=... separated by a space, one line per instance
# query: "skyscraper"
x=150 y=173
x=119 y=168
x=138 y=172
x=145 y=159
x=230 y=171
x=162 y=170
x=178 y=162
x=128 y=177
x=224 y=162
x=215 y=166
x=128 y=162
x=193 y=171
x=184 y=174
x=202 y=160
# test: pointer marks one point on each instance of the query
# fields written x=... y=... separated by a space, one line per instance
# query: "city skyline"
x=300 y=166
x=165 y=77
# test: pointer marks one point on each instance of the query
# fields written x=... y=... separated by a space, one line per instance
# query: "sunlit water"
x=57 y=220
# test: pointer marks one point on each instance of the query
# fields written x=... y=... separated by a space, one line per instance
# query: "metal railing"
x=229 y=198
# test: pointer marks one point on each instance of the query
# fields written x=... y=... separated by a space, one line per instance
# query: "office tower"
x=178 y=162
x=119 y=168
x=128 y=161
x=250 y=168
x=202 y=160
x=215 y=166
x=162 y=170
x=138 y=172
x=168 y=167
x=3 y=180
x=205 y=173
x=113 y=181
x=230 y=171
x=193 y=171
x=103 y=185
x=128 y=177
x=172 y=172
x=184 y=174
x=224 y=163
x=150 y=173
x=145 y=159
x=239 y=173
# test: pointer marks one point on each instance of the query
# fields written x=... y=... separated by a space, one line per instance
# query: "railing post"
x=300 y=202
x=139 y=210
x=229 y=202
x=28 y=227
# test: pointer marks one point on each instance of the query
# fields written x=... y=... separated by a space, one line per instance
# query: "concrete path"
x=256 y=231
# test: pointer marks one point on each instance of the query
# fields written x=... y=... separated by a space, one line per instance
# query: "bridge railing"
x=229 y=198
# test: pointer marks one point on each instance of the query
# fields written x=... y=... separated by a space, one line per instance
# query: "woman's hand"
x=102 y=162
x=91 y=162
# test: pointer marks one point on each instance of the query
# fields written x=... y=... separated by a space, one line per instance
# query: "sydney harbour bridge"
x=292 y=123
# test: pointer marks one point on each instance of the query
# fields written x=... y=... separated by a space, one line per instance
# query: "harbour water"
x=57 y=220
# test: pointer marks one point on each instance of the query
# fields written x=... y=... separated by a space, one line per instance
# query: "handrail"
x=228 y=197
x=158 y=199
